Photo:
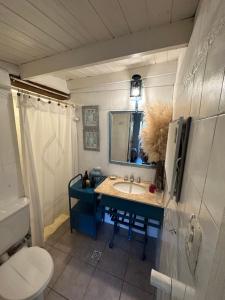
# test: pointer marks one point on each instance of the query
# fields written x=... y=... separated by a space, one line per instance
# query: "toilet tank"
x=14 y=222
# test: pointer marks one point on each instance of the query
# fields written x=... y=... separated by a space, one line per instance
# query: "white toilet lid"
x=26 y=274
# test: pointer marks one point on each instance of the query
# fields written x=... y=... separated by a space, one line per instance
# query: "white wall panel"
x=206 y=255
x=200 y=149
x=199 y=93
x=214 y=193
x=213 y=80
x=116 y=97
x=10 y=176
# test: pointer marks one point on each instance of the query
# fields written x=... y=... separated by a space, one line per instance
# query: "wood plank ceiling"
x=34 y=29
x=120 y=65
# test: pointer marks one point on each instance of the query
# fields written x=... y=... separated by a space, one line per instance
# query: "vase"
x=159 y=175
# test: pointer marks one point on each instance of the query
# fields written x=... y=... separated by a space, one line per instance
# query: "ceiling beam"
x=122 y=76
x=166 y=36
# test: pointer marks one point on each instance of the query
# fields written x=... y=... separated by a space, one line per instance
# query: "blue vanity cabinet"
x=141 y=209
x=87 y=212
x=134 y=215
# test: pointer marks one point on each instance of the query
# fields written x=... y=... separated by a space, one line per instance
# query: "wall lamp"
x=135 y=88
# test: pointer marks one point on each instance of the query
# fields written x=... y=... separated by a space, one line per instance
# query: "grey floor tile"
x=53 y=296
x=138 y=274
x=130 y=292
x=103 y=286
x=80 y=246
x=73 y=282
x=114 y=261
x=104 y=232
x=122 y=243
x=56 y=235
x=93 y=245
x=46 y=292
x=123 y=231
x=120 y=240
x=67 y=242
x=60 y=261
x=136 y=249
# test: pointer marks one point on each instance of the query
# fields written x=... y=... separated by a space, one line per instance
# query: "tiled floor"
x=89 y=269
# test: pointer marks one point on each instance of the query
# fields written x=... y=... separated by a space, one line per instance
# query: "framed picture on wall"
x=90 y=116
x=91 y=139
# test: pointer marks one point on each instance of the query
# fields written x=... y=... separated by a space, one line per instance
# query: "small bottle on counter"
x=84 y=180
x=92 y=181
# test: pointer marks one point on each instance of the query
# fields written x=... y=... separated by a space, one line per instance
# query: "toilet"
x=25 y=274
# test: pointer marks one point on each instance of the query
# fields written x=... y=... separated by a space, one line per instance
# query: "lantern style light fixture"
x=135 y=86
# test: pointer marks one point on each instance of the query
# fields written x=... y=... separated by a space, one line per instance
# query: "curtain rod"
x=37 y=88
x=63 y=102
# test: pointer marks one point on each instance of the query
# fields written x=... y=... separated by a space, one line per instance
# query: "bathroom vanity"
x=132 y=205
x=127 y=202
x=118 y=194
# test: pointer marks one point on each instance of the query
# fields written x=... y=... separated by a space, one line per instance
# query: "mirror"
x=125 y=145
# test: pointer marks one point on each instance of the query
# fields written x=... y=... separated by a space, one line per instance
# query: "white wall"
x=114 y=95
x=200 y=93
x=51 y=81
x=10 y=175
x=10 y=68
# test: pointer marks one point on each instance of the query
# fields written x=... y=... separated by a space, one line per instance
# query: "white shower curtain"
x=48 y=147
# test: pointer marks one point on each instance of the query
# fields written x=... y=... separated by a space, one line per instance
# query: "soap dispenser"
x=84 y=180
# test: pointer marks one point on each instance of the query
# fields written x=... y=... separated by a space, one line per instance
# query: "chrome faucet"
x=131 y=178
x=125 y=178
x=139 y=179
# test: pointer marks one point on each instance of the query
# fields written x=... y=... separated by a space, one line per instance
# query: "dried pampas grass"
x=154 y=134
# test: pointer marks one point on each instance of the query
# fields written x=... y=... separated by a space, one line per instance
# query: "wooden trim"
x=37 y=88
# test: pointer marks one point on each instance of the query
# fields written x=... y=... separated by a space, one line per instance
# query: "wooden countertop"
x=106 y=188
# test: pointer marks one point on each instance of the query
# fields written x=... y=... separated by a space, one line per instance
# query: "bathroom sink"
x=129 y=188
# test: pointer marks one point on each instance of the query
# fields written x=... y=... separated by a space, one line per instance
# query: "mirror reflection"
x=125 y=145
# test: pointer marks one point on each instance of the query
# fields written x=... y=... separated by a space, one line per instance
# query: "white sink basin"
x=129 y=188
